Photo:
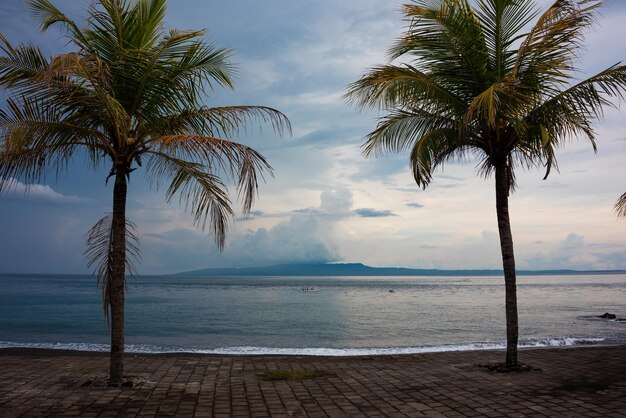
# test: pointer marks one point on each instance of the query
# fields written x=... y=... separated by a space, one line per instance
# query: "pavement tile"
x=579 y=382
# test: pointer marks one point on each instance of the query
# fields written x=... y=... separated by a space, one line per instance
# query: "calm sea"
x=311 y=315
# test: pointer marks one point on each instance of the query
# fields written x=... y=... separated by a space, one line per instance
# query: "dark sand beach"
x=585 y=381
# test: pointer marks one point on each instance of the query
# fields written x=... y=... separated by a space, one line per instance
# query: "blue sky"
x=326 y=202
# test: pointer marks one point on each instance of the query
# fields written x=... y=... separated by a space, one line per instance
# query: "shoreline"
x=57 y=352
x=572 y=381
x=138 y=349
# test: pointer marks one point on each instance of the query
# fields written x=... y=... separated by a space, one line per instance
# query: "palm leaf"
x=402 y=86
x=99 y=254
x=19 y=66
x=446 y=37
x=234 y=160
x=398 y=130
x=35 y=137
x=198 y=190
x=620 y=206
x=48 y=15
x=433 y=149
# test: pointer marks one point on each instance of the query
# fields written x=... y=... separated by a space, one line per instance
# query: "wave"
x=334 y=352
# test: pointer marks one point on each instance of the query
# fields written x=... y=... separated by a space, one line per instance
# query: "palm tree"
x=131 y=93
x=478 y=84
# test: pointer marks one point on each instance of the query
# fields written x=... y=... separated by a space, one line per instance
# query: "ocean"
x=312 y=315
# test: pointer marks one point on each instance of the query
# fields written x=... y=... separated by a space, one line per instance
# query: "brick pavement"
x=576 y=382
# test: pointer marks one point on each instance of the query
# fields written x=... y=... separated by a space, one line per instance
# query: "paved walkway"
x=573 y=382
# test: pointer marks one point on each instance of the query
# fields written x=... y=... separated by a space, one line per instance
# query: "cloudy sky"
x=326 y=202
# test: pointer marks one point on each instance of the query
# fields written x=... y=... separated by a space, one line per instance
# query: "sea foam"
x=314 y=351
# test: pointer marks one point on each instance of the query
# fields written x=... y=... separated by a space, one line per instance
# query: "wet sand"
x=582 y=381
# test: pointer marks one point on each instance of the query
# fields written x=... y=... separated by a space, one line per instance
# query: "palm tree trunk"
x=503 y=183
x=117 y=283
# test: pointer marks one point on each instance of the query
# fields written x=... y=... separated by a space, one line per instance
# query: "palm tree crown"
x=478 y=85
x=476 y=82
x=130 y=95
x=131 y=92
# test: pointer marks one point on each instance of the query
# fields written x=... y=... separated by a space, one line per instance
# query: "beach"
x=578 y=381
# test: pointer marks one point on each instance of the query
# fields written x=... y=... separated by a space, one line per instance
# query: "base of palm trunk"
x=102 y=381
x=504 y=368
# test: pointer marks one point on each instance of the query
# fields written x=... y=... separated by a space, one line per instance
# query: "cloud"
x=299 y=239
x=573 y=241
x=373 y=213
x=14 y=189
x=447 y=186
x=574 y=253
x=415 y=205
x=305 y=237
x=254 y=214
x=336 y=202
x=554 y=185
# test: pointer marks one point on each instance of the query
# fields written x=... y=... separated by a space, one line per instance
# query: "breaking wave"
x=152 y=349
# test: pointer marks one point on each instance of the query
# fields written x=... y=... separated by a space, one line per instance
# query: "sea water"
x=311 y=315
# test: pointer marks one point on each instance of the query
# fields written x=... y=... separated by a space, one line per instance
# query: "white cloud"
x=308 y=235
x=336 y=202
x=305 y=236
x=573 y=252
x=573 y=241
x=302 y=238
x=15 y=189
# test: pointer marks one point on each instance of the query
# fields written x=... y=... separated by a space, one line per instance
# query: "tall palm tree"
x=130 y=93
x=478 y=83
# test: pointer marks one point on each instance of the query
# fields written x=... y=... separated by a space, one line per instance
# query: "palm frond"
x=620 y=206
x=432 y=150
x=198 y=190
x=230 y=120
x=99 y=254
x=20 y=65
x=238 y=162
x=182 y=82
x=151 y=82
x=400 y=129
x=402 y=86
x=499 y=105
x=502 y=22
x=36 y=137
x=93 y=74
x=48 y=15
x=226 y=122
x=145 y=22
x=445 y=36
x=569 y=113
x=545 y=59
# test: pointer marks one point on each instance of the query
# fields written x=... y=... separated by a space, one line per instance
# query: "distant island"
x=359 y=269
